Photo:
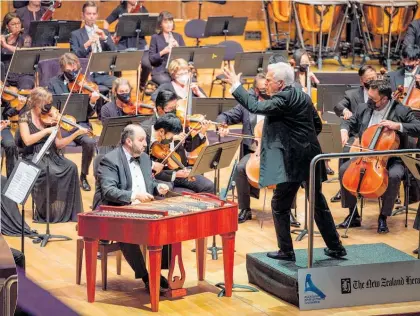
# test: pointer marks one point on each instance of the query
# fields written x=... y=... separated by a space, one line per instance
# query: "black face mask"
x=123 y=97
x=46 y=109
x=166 y=141
x=70 y=75
x=171 y=112
x=303 y=68
x=409 y=68
x=366 y=85
x=371 y=104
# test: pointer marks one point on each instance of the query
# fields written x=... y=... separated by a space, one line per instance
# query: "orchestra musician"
x=70 y=66
x=289 y=143
x=412 y=36
x=410 y=57
x=125 y=177
x=239 y=114
x=179 y=71
x=166 y=107
x=33 y=11
x=349 y=104
x=127 y=42
x=401 y=120
x=65 y=195
x=12 y=25
x=161 y=45
x=91 y=39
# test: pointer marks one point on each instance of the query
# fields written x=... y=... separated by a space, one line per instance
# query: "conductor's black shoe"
x=335 y=253
x=330 y=172
x=282 y=255
x=382 y=225
x=355 y=222
x=416 y=251
x=164 y=285
x=336 y=198
x=244 y=215
x=84 y=184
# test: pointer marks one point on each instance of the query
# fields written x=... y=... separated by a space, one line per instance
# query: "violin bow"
x=67 y=101
x=84 y=77
x=11 y=62
x=137 y=90
x=177 y=146
x=189 y=95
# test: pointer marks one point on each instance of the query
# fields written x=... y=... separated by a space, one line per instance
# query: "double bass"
x=368 y=176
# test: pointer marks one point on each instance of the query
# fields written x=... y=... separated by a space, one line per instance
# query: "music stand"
x=25 y=60
x=212 y=107
x=78 y=105
x=49 y=33
x=205 y=57
x=113 y=127
x=115 y=61
x=138 y=24
x=252 y=63
x=225 y=26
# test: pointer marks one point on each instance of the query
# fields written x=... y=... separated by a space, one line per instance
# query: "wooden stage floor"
x=54 y=267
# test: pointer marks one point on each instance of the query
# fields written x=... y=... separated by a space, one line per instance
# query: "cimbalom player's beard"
x=136 y=150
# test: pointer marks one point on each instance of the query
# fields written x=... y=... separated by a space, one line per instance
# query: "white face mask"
x=183 y=79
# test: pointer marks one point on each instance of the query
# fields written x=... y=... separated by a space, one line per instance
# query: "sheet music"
x=46 y=146
x=21 y=182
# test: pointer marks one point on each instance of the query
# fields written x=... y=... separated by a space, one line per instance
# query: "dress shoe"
x=84 y=184
x=336 y=198
x=164 y=284
x=335 y=253
x=355 y=222
x=244 y=215
x=282 y=255
x=382 y=225
x=330 y=172
x=416 y=251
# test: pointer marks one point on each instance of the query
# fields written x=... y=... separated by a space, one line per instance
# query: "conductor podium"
x=158 y=223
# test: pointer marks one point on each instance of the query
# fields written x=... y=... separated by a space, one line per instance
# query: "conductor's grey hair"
x=282 y=72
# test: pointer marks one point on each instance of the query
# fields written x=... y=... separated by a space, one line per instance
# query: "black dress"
x=65 y=195
x=11 y=219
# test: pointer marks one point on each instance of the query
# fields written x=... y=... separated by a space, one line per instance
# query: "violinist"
x=289 y=142
x=65 y=196
x=401 y=120
x=302 y=63
x=179 y=71
x=33 y=11
x=249 y=120
x=161 y=45
x=165 y=131
x=12 y=25
x=125 y=42
x=70 y=66
x=349 y=104
x=410 y=56
x=90 y=39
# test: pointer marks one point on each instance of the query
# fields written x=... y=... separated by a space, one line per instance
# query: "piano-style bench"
x=104 y=250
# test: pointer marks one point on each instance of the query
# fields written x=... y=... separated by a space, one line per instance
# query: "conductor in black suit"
x=349 y=104
x=125 y=177
x=70 y=65
x=401 y=120
x=288 y=144
x=91 y=39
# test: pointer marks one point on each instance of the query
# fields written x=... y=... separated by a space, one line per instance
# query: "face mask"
x=371 y=104
x=303 y=68
x=171 y=112
x=46 y=108
x=166 y=141
x=182 y=79
x=70 y=75
x=409 y=68
x=366 y=85
x=123 y=97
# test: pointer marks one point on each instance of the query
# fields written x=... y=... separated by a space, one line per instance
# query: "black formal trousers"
x=106 y=81
x=244 y=189
x=283 y=197
x=200 y=185
x=161 y=77
x=10 y=149
x=395 y=175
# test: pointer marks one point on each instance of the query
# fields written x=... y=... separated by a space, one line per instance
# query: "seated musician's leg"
x=19 y=258
x=281 y=204
x=146 y=69
x=244 y=190
x=88 y=152
x=348 y=200
x=10 y=148
x=395 y=174
x=103 y=79
x=417 y=225
x=200 y=185
x=161 y=77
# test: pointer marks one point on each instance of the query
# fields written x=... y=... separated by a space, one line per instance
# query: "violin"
x=14 y=96
x=368 y=176
x=49 y=13
x=252 y=168
x=137 y=108
x=411 y=96
x=162 y=152
x=67 y=122
x=85 y=86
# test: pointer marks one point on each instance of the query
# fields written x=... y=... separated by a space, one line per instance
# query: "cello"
x=368 y=176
